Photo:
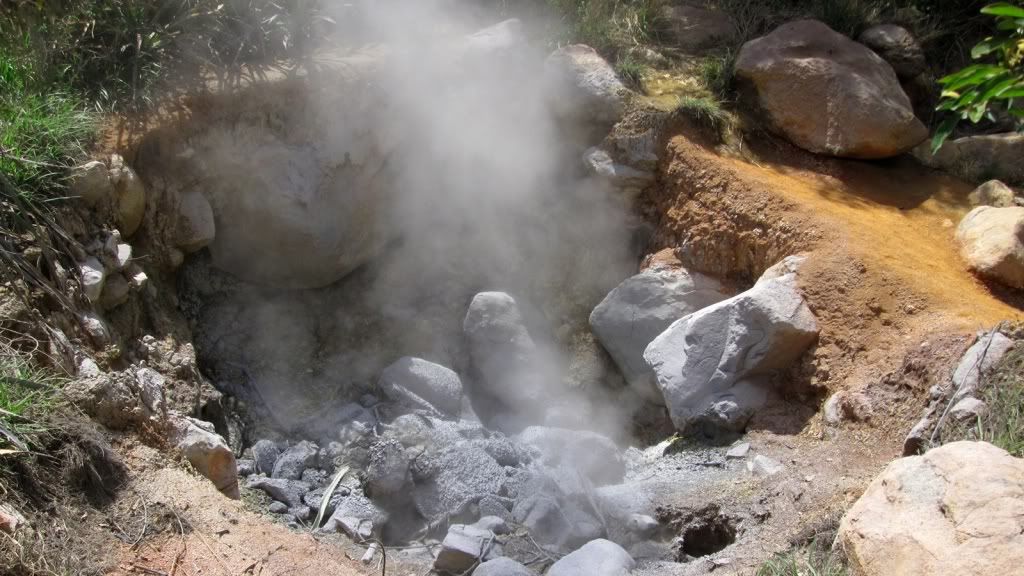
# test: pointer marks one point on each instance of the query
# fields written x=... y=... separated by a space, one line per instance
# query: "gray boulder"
x=465 y=546
x=265 y=453
x=596 y=558
x=620 y=176
x=711 y=365
x=502 y=567
x=208 y=453
x=459 y=475
x=586 y=86
x=828 y=94
x=503 y=37
x=422 y=384
x=388 y=471
x=642 y=307
x=91 y=182
x=130 y=196
x=293 y=461
x=288 y=491
x=992 y=193
x=196 y=228
x=504 y=356
x=978 y=158
x=356 y=516
x=897 y=46
x=979 y=360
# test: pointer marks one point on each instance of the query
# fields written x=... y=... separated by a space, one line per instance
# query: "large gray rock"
x=711 y=365
x=130 y=195
x=992 y=242
x=897 y=46
x=592 y=455
x=388 y=471
x=504 y=356
x=642 y=307
x=585 y=85
x=992 y=193
x=265 y=453
x=979 y=361
x=465 y=546
x=91 y=182
x=461 y=474
x=503 y=37
x=502 y=567
x=288 y=491
x=978 y=158
x=596 y=558
x=955 y=510
x=422 y=384
x=293 y=461
x=356 y=516
x=208 y=453
x=619 y=176
x=828 y=94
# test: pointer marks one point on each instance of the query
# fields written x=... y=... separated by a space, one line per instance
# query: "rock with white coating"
x=196 y=228
x=992 y=193
x=92 y=275
x=992 y=242
x=465 y=546
x=91 y=182
x=594 y=456
x=124 y=255
x=208 y=453
x=357 y=516
x=595 y=558
x=642 y=307
x=712 y=365
x=95 y=327
x=422 y=384
x=828 y=94
x=955 y=510
x=739 y=451
x=620 y=176
x=762 y=465
x=460 y=473
x=586 y=86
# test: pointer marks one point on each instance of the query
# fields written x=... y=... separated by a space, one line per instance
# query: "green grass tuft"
x=804 y=561
x=705 y=111
x=611 y=26
x=1003 y=393
x=716 y=74
x=630 y=70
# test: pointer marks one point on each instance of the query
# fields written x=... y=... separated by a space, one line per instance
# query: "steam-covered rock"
x=992 y=242
x=464 y=547
x=897 y=46
x=504 y=356
x=356 y=516
x=459 y=475
x=828 y=94
x=500 y=38
x=424 y=385
x=642 y=307
x=711 y=365
x=620 y=176
x=208 y=453
x=592 y=455
x=596 y=558
x=587 y=88
x=196 y=228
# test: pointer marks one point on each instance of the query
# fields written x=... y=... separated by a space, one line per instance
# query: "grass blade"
x=327 y=496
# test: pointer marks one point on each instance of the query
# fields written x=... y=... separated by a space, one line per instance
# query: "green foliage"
x=26 y=392
x=1003 y=393
x=754 y=18
x=118 y=52
x=43 y=128
x=804 y=561
x=716 y=74
x=705 y=111
x=995 y=83
x=610 y=26
x=630 y=69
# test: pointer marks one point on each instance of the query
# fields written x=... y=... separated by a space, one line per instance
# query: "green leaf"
x=977 y=112
x=999 y=87
x=977 y=76
x=1003 y=9
x=1016 y=92
x=988 y=46
x=943 y=132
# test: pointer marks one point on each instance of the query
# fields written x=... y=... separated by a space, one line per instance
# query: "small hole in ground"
x=708 y=536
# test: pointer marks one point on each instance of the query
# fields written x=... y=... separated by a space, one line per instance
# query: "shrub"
x=716 y=74
x=994 y=84
x=630 y=69
x=705 y=111
x=808 y=560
